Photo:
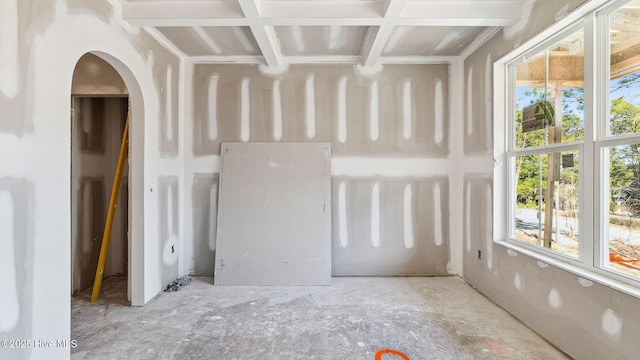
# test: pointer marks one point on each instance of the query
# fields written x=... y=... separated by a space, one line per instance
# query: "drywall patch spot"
x=438 y=109
x=277 y=110
x=448 y=39
x=470 y=101
x=512 y=253
x=407 y=114
x=467 y=204
x=245 y=110
x=374 y=115
x=367 y=71
x=437 y=215
x=310 y=106
x=244 y=40
x=514 y=30
x=584 y=282
x=334 y=35
x=168 y=255
x=375 y=215
x=611 y=324
x=562 y=12
x=212 y=106
x=488 y=104
x=342 y=109
x=9 y=55
x=518 y=282
x=273 y=71
x=555 y=299
x=168 y=112
x=342 y=214
x=9 y=303
x=488 y=226
x=296 y=31
x=168 y=227
x=409 y=241
x=542 y=265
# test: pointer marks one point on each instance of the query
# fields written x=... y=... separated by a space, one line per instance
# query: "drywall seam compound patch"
x=467 y=217
x=406 y=109
x=408 y=217
x=611 y=324
x=9 y=54
x=437 y=215
x=212 y=106
x=584 y=282
x=342 y=109
x=438 y=109
x=334 y=34
x=9 y=303
x=374 y=116
x=310 y=108
x=517 y=282
x=489 y=223
x=470 y=102
x=388 y=166
x=213 y=206
x=514 y=30
x=168 y=104
x=245 y=110
x=169 y=256
x=244 y=40
x=375 y=215
x=206 y=39
x=555 y=299
x=488 y=105
x=277 y=111
x=342 y=214
x=296 y=31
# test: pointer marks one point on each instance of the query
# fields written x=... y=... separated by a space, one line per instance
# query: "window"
x=619 y=142
x=548 y=131
x=571 y=173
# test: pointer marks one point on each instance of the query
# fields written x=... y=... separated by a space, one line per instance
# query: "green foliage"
x=531 y=170
x=624 y=161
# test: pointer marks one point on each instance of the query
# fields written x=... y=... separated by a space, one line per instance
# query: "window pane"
x=624 y=91
x=554 y=81
x=547 y=206
x=623 y=220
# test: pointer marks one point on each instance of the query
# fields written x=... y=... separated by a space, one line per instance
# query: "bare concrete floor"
x=425 y=318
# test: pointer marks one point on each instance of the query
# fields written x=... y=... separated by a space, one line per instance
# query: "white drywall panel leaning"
x=274 y=214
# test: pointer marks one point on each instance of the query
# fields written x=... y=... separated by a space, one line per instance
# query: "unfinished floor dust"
x=425 y=318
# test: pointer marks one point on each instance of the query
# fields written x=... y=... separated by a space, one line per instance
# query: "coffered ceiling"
x=281 y=32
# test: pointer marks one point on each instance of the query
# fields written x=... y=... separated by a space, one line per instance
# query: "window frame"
x=593 y=188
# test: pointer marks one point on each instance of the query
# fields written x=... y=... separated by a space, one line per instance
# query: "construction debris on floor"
x=178 y=283
x=354 y=318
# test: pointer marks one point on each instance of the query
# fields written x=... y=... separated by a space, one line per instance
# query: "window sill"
x=593 y=274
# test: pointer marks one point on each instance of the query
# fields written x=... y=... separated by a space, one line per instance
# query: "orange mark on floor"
x=392 y=352
x=502 y=348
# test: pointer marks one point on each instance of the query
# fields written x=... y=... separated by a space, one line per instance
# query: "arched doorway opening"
x=100 y=106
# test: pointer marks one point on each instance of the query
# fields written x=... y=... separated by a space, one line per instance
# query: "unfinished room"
x=320 y=179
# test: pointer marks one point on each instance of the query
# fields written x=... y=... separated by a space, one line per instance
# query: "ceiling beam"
x=321 y=9
x=265 y=35
x=324 y=59
x=453 y=12
x=377 y=37
x=167 y=10
x=310 y=13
